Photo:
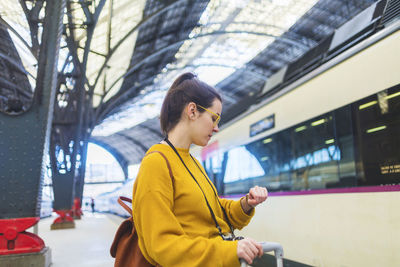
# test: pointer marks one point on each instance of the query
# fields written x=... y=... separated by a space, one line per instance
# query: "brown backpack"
x=125 y=247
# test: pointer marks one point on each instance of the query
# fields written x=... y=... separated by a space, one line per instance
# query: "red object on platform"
x=14 y=239
x=64 y=216
x=77 y=211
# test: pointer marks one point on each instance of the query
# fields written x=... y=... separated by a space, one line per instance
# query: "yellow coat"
x=174 y=225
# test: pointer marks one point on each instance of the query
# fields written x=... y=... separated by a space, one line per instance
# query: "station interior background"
x=233 y=45
x=114 y=62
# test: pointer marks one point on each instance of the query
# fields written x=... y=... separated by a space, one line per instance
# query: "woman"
x=180 y=220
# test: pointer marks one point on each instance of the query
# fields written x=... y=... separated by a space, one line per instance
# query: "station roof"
x=139 y=47
x=235 y=46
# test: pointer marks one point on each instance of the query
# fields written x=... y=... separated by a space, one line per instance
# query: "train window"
x=303 y=157
x=315 y=154
x=216 y=161
x=344 y=140
x=377 y=121
x=354 y=145
x=241 y=165
x=215 y=166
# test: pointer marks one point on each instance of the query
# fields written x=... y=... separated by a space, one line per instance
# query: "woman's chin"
x=207 y=140
x=202 y=142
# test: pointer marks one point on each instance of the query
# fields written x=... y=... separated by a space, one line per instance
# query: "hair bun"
x=184 y=77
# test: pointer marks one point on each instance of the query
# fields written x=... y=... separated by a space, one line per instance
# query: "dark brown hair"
x=185 y=89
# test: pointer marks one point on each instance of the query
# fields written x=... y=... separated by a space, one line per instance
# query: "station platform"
x=87 y=245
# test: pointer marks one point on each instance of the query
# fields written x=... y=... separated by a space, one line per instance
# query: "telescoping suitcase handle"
x=267 y=247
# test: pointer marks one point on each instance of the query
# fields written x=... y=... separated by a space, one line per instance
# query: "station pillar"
x=24 y=141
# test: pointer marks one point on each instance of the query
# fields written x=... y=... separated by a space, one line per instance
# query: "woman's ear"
x=191 y=110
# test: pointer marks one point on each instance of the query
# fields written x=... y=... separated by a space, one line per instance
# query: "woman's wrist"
x=245 y=204
x=247 y=201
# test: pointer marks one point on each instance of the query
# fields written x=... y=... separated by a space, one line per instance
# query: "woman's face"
x=206 y=124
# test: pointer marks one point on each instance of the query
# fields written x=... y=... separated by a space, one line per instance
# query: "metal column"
x=24 y=141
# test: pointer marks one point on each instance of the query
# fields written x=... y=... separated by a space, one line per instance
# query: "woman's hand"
x=248 y=249
x=256 y=196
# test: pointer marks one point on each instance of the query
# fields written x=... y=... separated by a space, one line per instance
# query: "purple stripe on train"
x=363 y=189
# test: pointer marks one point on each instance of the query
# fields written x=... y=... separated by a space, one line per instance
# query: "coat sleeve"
x=237 y=216
x=161 y=237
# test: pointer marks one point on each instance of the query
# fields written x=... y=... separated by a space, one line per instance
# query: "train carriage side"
x=331 y=160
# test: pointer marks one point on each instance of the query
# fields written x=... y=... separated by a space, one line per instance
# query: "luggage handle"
x=267 y=247
x=121 y=200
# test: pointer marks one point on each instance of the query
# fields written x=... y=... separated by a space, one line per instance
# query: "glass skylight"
x=11 y=13
x=132 y=114
x=230 y=34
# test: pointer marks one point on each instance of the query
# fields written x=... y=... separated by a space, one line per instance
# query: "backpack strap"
x=121 y=200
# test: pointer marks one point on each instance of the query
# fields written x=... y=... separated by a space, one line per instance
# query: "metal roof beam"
x=8 y=26
x=133 y=140
x=177 y=44
x=158 y=133
x=134 y=29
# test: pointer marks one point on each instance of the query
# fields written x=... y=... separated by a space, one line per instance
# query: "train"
x=327 y=147
x=325 y=141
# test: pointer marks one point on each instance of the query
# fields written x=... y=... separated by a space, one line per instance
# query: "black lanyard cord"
x=208 y=205
x=215 y=193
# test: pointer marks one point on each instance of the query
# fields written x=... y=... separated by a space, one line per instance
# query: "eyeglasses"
x=217 y=117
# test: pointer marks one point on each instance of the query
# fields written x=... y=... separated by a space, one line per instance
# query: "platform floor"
x=88 y=245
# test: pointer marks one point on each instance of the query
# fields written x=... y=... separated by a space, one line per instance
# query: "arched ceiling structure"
x=138 y=47
x=238 y=76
